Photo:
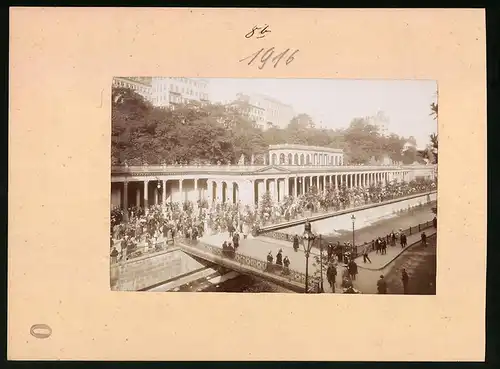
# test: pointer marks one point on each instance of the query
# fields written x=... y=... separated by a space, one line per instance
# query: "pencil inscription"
x=269 y=54
x=261 y=34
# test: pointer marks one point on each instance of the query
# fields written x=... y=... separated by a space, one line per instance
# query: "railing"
x=359 y=248
x=143 y=250
x=244 y=260
x=308 y=213
x=408 y=232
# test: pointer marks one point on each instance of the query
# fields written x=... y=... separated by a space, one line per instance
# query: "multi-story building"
x=138 y=84
x=380 y=120
x=169 y=91
x=166 y=91
x=268 y=110
x=251 y=112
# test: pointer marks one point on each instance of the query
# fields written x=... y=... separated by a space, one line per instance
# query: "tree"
x=434 y=110
x=266 y=205
x=209 y=133
x=409 y=156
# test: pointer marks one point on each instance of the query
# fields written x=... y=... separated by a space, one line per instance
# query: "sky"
x=333 y=103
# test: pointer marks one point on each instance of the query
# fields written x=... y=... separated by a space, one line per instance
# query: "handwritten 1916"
x=267 y=55
x=262 y=32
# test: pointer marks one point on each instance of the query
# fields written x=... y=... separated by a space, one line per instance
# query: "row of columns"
x=276 y=158
x=252 y=190
x=302 y=183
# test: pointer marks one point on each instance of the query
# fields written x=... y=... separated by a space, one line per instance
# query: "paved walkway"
x=379 y=261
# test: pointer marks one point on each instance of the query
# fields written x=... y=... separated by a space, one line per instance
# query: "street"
x=420 y=264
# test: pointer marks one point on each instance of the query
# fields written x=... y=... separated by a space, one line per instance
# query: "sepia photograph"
x=249 y=185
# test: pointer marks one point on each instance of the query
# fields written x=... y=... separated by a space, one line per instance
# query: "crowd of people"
x=139 y=231
x=333 y=199
x=136 y=231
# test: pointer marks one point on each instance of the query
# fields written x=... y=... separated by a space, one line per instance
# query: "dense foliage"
x=144 y=134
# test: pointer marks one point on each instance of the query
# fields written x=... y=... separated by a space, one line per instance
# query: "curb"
x=395 y=257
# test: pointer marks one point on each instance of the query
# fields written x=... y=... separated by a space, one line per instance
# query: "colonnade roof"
x=241 y=170
x=318 y=149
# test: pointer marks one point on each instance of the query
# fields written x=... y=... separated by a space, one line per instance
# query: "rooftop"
x=146 y=81
x=304 y=148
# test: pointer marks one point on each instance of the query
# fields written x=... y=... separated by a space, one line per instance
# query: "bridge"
x=243 y=264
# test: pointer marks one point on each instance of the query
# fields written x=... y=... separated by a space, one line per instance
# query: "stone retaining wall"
x=152 y=270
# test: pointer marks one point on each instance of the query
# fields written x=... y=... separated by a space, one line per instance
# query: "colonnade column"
x=180 y=191
x=220 y=191
x=287 y=187
x=210 y=190
x=138 y=197
x=125 y=199
x=196 y=189
x=296 y=188
x=229 y=192
x=164 y=192
x=146 y=195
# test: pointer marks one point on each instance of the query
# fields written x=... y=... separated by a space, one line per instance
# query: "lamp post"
x=353 y=218
x=307 y=245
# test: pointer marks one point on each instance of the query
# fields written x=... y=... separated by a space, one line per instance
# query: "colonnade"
x=245 y=189
x=317 y=159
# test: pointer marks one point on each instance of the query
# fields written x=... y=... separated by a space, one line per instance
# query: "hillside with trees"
x=192 y=133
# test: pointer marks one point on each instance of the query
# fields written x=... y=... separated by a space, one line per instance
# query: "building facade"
x=305 y=155
x=381 y=121
x=169 y=91
x=139 y=85
x=252 y=112
x=270 y=111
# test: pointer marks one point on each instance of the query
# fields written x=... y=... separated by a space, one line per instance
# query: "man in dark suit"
x=382 y=285
x=403 y=240
x=405 y=279
x=331 y=274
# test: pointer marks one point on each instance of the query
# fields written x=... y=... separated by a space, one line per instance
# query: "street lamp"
x=353 y=218
x=308 y=237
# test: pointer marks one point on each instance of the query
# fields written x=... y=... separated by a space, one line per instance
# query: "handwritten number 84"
x=266 y=56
